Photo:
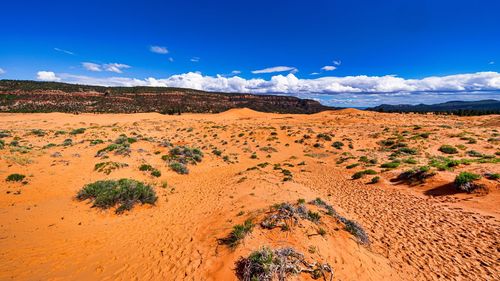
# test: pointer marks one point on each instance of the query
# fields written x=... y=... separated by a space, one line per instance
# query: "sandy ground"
x=427 y=231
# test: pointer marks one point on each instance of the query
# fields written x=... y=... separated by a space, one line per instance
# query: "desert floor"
x=424 y=230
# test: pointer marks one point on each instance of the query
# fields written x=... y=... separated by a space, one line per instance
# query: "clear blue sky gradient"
x=410 y=39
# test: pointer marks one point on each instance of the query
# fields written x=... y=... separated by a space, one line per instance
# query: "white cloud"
x=111 y=67
x=195 y=59
x=159 y=50
x=290 y=84
x=328 y=68
x=47 y=76
x=91 y=66
x=275 y=69
x=64 y=51
x=314 y=73
x=491 y=62
x=2 y=71
x=337 y=62
x=115 y=67
x=235 y=72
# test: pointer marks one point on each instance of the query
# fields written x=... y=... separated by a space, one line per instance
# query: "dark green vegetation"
x=180 y=156
x=32 y=96
x=360 y=174
x=465 y=182
x=237 y=234
x=461 y=108
x=448 y=149
x=15 y=177
x=108 y=167
x=125 y=193
x=148 y=168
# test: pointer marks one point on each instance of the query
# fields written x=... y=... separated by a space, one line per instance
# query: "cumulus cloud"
x=111 y=67
x=115 y=67
x=275 y=69
x=195 y=59
x=328 y=68
x=290 y=84
x=2 y=71
x=47 y=76
x=64 y=51
x=92 y=66
x=159 y=50
x=235 y=72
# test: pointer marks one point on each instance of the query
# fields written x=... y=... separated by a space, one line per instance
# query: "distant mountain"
x=453 y=107
x=33 y=96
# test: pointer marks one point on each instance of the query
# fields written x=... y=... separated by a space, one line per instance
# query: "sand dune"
x=251 y=161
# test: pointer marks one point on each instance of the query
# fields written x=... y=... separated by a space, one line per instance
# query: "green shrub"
x=352 y=166
x=15 y=177
x=375 y=179
x=145 y=167
x=124 y=193
x=156 y=173
x=448 y=149
x=338 y=144
x=2 y=144
x=466 y=177
x=325 y=137
x=360 y=174
x=108 y=167
x=38 y=132
x=237 y=234
x=390 y=165
x=179 y=168
x=494 y=176
x=78 y=131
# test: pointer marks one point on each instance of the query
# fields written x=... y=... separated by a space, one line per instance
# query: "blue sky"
x=357 y=49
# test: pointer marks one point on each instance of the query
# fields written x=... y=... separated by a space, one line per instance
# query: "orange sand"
x=425 y=232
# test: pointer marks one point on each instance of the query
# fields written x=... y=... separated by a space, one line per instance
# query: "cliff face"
x=30 y=96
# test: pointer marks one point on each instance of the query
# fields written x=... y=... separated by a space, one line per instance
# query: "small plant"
x=124 y=193
x=15 y=177
x=494 y=176
x=375 y=180
x=448 y=149
x=145 y=167
x=67 y=142
x=108 y=167
x=313 y=216
x=156 y=173
x=391 y=165
x=338 y=144
x=78 y=131
x=179 y=168
x=239 y=232
x=360 y=174
x=323 y=136
x=38 y=132
x=266 y=264
x=465 y=181
x=416 y=175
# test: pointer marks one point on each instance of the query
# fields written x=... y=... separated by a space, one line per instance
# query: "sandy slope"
x=424 y=232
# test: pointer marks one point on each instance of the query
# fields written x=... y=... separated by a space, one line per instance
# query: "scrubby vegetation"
x=108 y=167
x=15 y=177
x=465 y=182
x=448 y=149
x=237 y=234
x=125 y=193
x=416 y=175
x=266 y=264
x=360 y=174
x=180 y=156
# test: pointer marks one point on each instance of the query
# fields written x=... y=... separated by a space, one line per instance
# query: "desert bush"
x=156 y=173
x=239 y=232
x=465 y=181
x=266 y=264
x=360 y=174
x=473 y=153
x=357 y=231
x=179 y=168
x=493 y=176
x=323 y=136
x=145 y=167
x=2 y=144
x=78 y=131
x=15 y=177
x=416 y=175
x=96 y=142
x=444 y=163
x=38 y=132
x=108 y=167
x=375 y=180
x=352 y=166
x=67 y=142
x=338 y=144
x=391 y=165
x=448 y=149
x=125 y=193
